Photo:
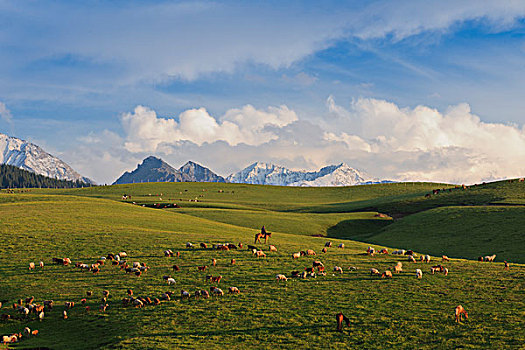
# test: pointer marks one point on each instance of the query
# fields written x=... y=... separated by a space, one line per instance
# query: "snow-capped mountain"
x=30 y=157
x=332 y=175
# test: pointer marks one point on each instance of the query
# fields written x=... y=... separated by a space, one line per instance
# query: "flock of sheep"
x=27 y=307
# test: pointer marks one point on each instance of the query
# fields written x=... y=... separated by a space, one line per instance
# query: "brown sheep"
x=233 y=262
x=310 y=252
x=387 y=274
x=340 y=318
x=460 y=310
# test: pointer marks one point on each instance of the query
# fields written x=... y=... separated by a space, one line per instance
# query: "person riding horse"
x=264 y=234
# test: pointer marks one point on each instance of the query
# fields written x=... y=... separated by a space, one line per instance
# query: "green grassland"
x=403 y=312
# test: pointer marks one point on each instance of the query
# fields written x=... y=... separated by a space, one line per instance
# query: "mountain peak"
x=30 y=157
x=153 y=169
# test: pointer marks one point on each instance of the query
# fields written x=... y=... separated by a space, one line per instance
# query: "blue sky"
x=320 y=77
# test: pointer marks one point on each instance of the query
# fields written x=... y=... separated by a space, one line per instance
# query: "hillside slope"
x=299 y=313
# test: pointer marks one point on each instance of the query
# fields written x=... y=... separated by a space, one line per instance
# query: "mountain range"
x=153 y=169
x=30 y=157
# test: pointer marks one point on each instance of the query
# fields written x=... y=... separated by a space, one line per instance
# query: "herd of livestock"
x=27 y=308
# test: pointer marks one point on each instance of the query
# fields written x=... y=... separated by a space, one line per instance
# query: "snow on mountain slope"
x=270 y=174
x=28 y=156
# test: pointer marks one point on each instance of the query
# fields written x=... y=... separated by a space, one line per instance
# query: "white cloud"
x=146 y=131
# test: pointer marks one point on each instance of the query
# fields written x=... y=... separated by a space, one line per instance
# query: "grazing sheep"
x=233 y=262
x=281 y=277
x=41 y=264
x=324 y=250
x=310 y=252
x=328 y=244
x=64 y=314
x=31 y=266
x=383 y=251
x=317 y=263
x=490 y=258
x=352 y=268
x=507 y=266
x=427 y=258
x=338 y=269
x=445 y=258
x=189 y=245
x=296 y=255
x=218 y=292
x=170 y=281
x=445 y=271
x=273 y=248
x=216 y=279
x=239 y=245
x=433 y=270
x=202 y=268
x=341 y=246
x=387 y=274
x=254 y=251
x=399 y=267
x=204 y=245
x=260 y=254
x=175 y=268
x=69 y=304
x=234 y=290
x=459 y=311
x=304 y=274
x=184 y=294
x=419 y=273
x=411 y=259
x=213 y=262
x=168 y=253
x=374 y=272
x=370 y=251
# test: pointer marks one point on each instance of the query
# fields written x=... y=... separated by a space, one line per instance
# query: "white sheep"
x=342 y=246
x=296 y=255
x=281 y=277
x=234 y=290
x=189 y=245
x=31 y=266
x=41 y=264
x=170 y=280
x=419 y=273
x=338 y=269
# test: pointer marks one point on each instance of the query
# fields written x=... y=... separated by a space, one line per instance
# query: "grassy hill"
x=85 y=224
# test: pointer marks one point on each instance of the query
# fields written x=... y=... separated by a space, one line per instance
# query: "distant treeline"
x=14 y=177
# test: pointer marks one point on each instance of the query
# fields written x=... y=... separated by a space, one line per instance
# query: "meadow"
x=402 y=312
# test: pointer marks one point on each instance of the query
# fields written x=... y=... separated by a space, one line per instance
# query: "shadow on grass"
x=269 y=330
x=357 y=229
